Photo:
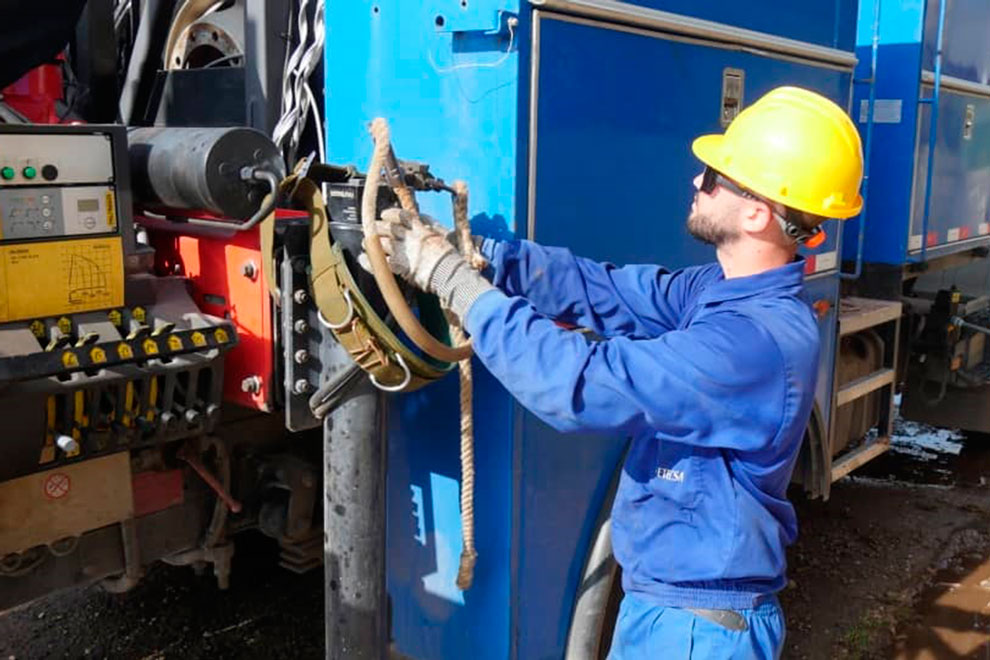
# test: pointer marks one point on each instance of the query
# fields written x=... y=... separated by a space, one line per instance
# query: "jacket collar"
x=785 y=279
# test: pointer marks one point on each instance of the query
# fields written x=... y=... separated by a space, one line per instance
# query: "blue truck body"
x=571 y=121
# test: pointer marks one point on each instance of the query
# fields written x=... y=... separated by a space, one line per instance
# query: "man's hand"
x=422 y=253
x=413 y=247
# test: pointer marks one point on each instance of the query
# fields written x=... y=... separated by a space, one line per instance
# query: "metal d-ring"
x=394 y=388
x=347 y=318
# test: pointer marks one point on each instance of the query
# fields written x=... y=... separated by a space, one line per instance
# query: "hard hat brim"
x=708 y=150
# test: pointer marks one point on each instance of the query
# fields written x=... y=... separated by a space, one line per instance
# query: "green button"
x=7 y=173
x=29 y=172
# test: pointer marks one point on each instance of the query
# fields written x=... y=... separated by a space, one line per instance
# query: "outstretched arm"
x=632 y=301
x=691 y=385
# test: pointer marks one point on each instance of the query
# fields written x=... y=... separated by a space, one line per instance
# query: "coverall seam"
x=736 y=528
x=736 y=531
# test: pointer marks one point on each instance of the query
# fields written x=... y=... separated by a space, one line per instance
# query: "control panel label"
x=63 y=277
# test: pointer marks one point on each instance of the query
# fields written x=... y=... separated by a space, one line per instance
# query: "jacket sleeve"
x=719 y=383
x=637 y=301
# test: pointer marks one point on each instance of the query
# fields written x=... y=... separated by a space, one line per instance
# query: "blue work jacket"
x=712 y=380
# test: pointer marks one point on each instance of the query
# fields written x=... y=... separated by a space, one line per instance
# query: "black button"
x=49 y=172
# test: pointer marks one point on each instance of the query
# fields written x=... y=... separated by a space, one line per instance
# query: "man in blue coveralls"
x=710 y=370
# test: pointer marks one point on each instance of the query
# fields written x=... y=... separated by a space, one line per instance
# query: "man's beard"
x=709 y=230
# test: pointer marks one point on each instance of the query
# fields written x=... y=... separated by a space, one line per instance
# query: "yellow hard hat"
x=795 y=147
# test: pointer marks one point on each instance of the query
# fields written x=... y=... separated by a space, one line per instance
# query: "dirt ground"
x=895 y=565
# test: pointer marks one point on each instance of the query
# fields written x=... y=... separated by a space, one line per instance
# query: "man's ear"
x=756 y=216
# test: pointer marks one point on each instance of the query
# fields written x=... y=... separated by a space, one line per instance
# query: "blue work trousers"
x=645 y=631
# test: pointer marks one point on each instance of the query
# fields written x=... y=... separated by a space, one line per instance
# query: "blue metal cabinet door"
x=961 y=180
x=616 y=111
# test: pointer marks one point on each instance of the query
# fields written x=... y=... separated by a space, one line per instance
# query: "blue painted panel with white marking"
x=450 y=98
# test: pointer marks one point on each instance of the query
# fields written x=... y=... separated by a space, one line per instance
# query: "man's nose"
x=697 y=181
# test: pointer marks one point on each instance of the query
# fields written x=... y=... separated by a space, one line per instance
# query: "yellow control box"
x=60 y=277
x=63 y=230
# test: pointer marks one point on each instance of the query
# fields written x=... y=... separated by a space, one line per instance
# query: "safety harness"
x=342 y=308
x=390 y=364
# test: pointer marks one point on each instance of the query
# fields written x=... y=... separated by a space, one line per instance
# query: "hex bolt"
x=67 y=443
x=301 y=386
x=249 y=270
x=251 y=385
x=192 y=416
x=167 y=419
x=301 y=326
x=213 y=412
x=300 y=296
x=301 y=356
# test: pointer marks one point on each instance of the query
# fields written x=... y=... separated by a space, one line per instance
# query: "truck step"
x=867 y=452
x=860 y=387
x=857 y=314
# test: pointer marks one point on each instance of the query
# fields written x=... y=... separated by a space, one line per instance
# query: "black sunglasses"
x=811 y=237
x=712 y=178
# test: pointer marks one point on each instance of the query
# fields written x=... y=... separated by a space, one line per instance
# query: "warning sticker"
x=63 y=277
x=57 y=485
x=68 y=500
x=885 y=111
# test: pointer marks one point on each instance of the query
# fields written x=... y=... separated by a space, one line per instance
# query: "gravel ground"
x=870 y=577
x=174 y=613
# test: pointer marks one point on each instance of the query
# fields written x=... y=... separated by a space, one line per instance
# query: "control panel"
x=44 y=212
x=28 y=159
x=64 y=219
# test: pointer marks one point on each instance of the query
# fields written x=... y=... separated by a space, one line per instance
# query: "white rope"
x=469 y=555
x=407 y=200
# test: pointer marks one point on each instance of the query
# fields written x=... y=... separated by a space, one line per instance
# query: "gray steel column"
x=354 y=453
